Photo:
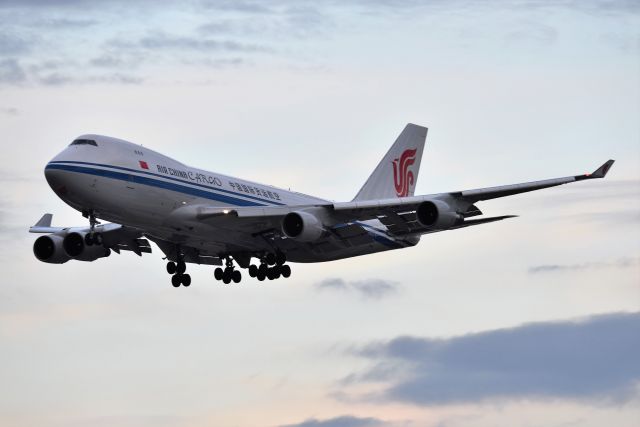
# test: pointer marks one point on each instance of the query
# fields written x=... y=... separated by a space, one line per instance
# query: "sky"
x=531 y=321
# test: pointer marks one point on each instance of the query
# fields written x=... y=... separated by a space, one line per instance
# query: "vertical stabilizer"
x=397 y=174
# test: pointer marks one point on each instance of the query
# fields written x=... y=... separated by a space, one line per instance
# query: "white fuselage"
x=138 y=187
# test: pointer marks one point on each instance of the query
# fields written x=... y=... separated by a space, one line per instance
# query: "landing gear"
x=278 y=269
x=177 y=270
x=229 y=274
x=92 y=237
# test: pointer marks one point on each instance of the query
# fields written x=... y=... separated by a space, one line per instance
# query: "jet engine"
x=75 y=247
x=437 y=214
x=302 y=226
x=49 y=249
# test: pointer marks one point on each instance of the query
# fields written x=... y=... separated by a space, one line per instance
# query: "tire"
x=286 y=271
x=270 y=274
x=186 y=280
x=270 y=258
x=236 y=276
x=181 y=267
x=226 y=276
x=176 y=280
x=218 y=273
x=280 y=258
x=261 y=276
x=263 y=269
x=253 y=270
x=171 y=267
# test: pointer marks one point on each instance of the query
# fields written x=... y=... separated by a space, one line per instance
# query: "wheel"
x=263 y=269
x=270 y=274
x=171 y=267
x=236 y=276
x=280 y=258
x=218 y=273
x=261 y=276
x=181 y=267
x=175 y=280
x=253 y=270
x=226 y=275
x=186 y=280
x=276 y=274
x=88 y=240
x=286 y=271
x=270 y=258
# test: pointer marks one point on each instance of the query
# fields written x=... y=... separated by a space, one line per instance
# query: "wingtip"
x=602 y=171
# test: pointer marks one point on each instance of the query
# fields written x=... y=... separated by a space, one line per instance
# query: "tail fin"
x=397 y=174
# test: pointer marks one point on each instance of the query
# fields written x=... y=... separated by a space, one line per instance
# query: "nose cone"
x=54 y=178
x=54 y=175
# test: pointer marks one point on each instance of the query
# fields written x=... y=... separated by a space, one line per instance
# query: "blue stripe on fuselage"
x=266 y=202
x=155 y=183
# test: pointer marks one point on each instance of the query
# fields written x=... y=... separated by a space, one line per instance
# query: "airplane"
x=201 y=217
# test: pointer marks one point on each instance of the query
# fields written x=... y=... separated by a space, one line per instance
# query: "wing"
x=353 y=223
x=399 y=215
x=115 y=236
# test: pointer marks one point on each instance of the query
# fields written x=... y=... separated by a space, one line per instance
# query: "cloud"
x=67 y=23
x=247 y=7
x=562 y=268
x=12 y=45
x=11 y=71
x=343 y=421
x=592 y=359
x=368 y=288
x=162 y=41
x=9 y=111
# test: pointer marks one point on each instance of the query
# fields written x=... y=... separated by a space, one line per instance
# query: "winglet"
x=45 y=221
x=601 y=172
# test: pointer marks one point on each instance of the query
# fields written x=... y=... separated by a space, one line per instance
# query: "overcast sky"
x=532 y=321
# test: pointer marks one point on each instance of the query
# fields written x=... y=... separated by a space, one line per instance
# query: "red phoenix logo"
x=402 y=176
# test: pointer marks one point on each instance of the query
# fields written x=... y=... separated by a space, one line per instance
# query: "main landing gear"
x=272 y=267
x=177 y=270
x=229 y=273
x=278 y=270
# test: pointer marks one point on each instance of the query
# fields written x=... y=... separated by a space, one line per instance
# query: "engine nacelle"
x=75 y=247
x=302 y=226
x=437 y=214
x=49 y=249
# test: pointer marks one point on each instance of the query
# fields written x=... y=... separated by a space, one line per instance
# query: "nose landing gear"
x=92 y=237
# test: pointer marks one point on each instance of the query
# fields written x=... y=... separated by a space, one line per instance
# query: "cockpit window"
x=84 y=142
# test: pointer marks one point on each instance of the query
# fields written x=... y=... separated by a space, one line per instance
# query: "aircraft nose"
x=54 y=179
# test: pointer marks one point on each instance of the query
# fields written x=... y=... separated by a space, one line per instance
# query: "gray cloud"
x=343 y=421
x=562 y=268
x=12 y=45
x=9 y=111
x=594 y=359
x=66 y=23
x=164 y=41
x=251 y=7
x=368 y=288
x=11 y=71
